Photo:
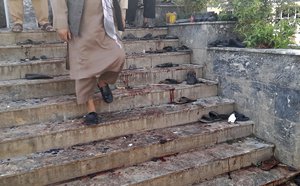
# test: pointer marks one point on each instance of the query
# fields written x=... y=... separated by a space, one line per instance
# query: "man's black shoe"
x=191 y=78
x=106 y=93
x=91 y=118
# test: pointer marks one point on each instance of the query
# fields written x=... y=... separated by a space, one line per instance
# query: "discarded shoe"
x=37 y=76
x=154 y=51
x=169 y=81
x=214 y=116
x=147 y=37
x=165 y=65
x=130 y=36
x=34 y=58
x=183 y=48
x=106 y=93
x=184 y=100
x=269 y=164
x=207 y=16
x=43 y=57
x=169 y=49
x=240 y=117
x=210 y=118
x=191 y=78
x=30 y=42
x=227 y=43
x=236 y=43
x=91 y=118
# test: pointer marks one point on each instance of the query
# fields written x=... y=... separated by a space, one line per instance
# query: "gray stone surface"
x=2 y=15
x=266 y=86
x=198 y=35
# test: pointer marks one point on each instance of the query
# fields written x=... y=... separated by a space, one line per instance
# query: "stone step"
x=184 y=168
x=62 y=164
x=9 y=38
x=253 y=176
x=139 y=46
x=30 y=111
x=56 y=66
x=15 y=141
x=141 y=32
x=16 y=52
x=62 y=85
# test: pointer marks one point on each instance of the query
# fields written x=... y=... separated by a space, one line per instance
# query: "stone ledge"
x=294 y=52
x=202 y=23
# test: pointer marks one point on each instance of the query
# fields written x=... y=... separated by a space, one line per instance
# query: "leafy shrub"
x=258 y=26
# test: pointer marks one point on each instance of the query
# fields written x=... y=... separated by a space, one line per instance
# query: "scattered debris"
x=269 y=164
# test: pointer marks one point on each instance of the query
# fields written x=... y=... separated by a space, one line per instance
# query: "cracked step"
x=253 y=176
x=185 y=168
x=29 y=111
x=62 y=85
x=26 y=139
x=9 y=38
x=56 y=66
x=126 y=150
x=58 y=50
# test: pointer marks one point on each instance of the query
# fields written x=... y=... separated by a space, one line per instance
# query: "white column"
x=6 y=13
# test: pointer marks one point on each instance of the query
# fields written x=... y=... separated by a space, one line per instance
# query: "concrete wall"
x=266 y=86
x=198 y=35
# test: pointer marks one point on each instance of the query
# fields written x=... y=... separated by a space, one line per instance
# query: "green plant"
x=258 y=26
x=193 y=6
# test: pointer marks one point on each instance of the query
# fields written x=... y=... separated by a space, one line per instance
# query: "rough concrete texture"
x=113 y=153
x=26 y=139
x=9 y=38
x=2 y=15
x=22 y=112
x=51 y=50
x=141 y=60
x=198 y=35
x=16 y=69
x=185 y=168
x=138 y=46
x=62 y=85
x=15 y=52
x=265 y=84
x=11 y=70
x=253 y=176
x=137 y=32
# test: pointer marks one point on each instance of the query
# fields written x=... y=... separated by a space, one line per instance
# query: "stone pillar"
x=2 y=15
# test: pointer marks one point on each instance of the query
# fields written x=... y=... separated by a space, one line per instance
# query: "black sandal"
x=106 y=93
x=47 y=27
x=17 y=28
x=91 y=119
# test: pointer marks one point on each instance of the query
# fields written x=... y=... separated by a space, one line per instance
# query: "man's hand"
x=64 y=34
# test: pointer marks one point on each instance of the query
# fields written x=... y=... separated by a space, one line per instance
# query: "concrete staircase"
x=143 y=139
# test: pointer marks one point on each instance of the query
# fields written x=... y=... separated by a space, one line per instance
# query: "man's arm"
x=60 y=19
